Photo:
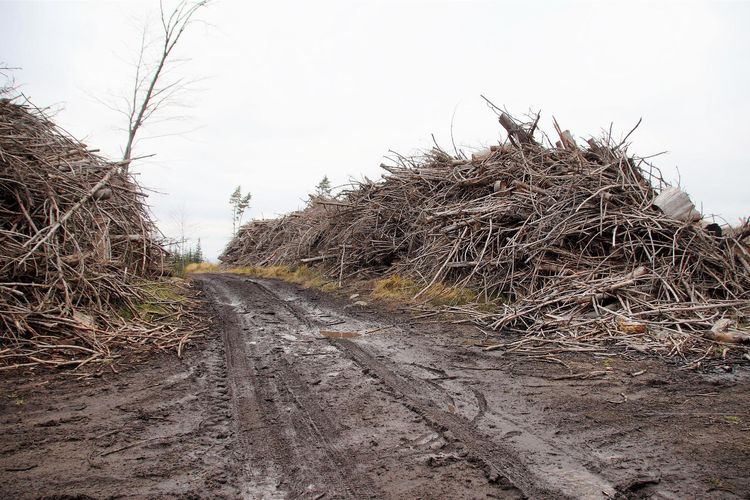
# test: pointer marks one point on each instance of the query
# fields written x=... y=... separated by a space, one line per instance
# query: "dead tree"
x=149 y=93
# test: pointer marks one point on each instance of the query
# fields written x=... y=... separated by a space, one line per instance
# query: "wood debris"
x=77 y=248
x=563 y=243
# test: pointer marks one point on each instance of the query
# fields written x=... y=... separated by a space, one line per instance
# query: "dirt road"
x=303 y=395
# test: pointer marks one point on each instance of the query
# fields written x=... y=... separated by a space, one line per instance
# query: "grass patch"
x=396 y=288
x=300 y=275
x=201 y=267
x=159 y=300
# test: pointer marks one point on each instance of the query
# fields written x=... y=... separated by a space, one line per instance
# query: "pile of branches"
x=562 y=243
x=76 y=245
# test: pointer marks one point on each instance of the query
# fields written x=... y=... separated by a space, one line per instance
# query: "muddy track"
x=299 y=394
x=497 y=460
x=537 y=478
x=542 y=477
x=277 y=421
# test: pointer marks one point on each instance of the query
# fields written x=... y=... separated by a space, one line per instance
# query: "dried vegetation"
x=563 y=242
x=79 y=252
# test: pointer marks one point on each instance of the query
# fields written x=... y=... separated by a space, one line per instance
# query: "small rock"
x=438 y=445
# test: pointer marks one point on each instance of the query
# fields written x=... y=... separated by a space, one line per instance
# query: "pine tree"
x=324 y=187
x=239 y=203
x=198 y=252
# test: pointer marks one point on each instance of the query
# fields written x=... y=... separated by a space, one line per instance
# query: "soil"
x=299 y=394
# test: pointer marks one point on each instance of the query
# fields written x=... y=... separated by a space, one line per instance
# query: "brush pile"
x=563 y=244
x=76 y=241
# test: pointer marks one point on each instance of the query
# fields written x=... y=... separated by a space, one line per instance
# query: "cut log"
x=630 y=327
x=127 y=237
x=722 y=331
x=730 y=337
x=568 y=141
x=676 y=204
x=315 y=259
x=500 y=186
x=515 y=131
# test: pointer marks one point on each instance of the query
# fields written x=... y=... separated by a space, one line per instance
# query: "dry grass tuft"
x=300 y=275
x=398 y=289
x=203 y=267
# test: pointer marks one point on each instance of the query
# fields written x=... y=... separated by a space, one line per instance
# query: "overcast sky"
x=291 y=91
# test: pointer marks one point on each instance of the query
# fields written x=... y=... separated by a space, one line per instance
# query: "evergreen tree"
x=198 y=252
x=324 y=187
x=239 y=203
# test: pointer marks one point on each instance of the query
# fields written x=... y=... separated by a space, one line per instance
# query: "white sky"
x=292 y=91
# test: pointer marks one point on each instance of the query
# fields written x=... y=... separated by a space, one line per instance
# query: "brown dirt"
x=292 y=397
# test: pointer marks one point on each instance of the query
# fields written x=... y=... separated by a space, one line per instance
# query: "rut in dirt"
x=300 y=434
x=298 y=394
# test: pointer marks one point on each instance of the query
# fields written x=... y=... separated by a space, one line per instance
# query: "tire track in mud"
x=267 y=406
x=268 y=431
x=163 y=430
x=497 y=461
x=562 y=477
x=249 y=416
x=534 y=473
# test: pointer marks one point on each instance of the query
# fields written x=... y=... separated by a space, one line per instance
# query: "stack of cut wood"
x=76 y=239
x=564 y=243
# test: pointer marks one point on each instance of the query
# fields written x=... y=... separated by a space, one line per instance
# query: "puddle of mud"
x=338 y=335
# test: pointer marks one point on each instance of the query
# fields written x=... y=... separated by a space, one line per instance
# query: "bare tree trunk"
x=147 y=96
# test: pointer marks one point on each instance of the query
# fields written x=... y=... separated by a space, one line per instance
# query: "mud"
x=299 y=394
